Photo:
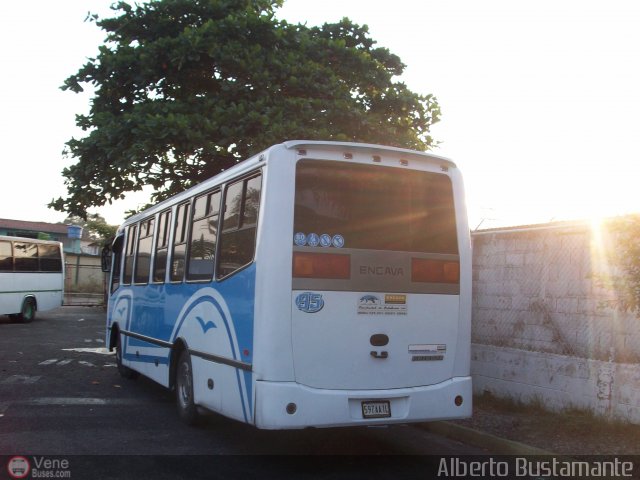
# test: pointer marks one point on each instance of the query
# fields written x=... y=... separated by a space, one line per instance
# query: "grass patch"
x=572 y=420
x=509 y=405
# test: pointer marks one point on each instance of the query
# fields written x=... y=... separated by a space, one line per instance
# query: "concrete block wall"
x=558 y=382
x=541 y=328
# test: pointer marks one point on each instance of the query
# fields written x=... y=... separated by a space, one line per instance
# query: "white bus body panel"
x=336 y=408
x=462 y=361
x=46 y=288
x=273 y=355
x=332 y=347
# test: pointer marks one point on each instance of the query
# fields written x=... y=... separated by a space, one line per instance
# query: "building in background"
x=73 y=238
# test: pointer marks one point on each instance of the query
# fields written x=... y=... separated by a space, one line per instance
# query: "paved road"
x=60 y=394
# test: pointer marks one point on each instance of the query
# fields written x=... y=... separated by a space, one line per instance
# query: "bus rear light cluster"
x=321 y=265
x=434 y=271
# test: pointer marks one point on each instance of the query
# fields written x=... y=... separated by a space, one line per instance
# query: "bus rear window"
x=375 y=207
x=50 y=258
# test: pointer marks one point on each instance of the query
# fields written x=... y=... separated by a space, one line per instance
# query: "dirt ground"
x=567 y=433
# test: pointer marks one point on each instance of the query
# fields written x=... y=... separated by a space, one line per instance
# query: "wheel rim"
x=184 y=385
x=28 y=311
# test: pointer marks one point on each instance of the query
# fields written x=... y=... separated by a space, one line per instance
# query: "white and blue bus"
x=316 y=284
x=31 y=277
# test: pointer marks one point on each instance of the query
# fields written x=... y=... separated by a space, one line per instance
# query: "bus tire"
x=28 y=312
x=123 y=370
x=187 y=409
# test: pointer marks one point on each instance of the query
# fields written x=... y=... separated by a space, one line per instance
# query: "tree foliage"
x=624 y=281
x=187 y=88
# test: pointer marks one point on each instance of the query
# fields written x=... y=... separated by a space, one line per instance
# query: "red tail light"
x=434 y=271
x=321 y=265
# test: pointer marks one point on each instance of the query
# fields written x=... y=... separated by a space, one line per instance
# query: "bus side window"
x=162 y=247
x=239 y=223
x=204 y=235
x=26 y=257
x=179 y=243
x=128 y=255
x=6 y=257
x=143 y=253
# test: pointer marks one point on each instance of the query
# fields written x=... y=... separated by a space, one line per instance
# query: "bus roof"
x=27 y=239
x=293 y=144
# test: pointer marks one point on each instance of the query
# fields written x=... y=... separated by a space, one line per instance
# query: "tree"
x=187 y=88
x=624 y=255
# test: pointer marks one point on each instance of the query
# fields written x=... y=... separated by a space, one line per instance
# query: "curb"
x=477 y=438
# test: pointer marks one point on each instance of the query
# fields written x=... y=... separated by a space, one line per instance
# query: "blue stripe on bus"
x=153 y=306
x=214 y=302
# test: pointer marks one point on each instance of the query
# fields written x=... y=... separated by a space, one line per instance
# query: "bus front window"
x=117 y=257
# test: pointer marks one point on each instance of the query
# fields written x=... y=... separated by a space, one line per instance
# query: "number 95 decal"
x=309 y=302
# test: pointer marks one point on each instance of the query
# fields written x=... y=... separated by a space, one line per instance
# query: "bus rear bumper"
x=289 y=405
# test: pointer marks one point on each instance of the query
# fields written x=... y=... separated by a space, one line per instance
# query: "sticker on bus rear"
x=300 y=239
x=338 y=241
x=393 y=304
x=427 y=352
x=325 y=240
x=309 y=302
x=313 y=240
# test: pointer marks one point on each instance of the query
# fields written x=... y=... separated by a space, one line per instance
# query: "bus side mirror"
x=106 y=258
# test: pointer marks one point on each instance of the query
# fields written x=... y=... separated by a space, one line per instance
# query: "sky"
x=539 y=99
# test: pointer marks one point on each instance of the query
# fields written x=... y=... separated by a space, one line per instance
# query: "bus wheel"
x=124 y=371
x=28 y=311
x=187 y=409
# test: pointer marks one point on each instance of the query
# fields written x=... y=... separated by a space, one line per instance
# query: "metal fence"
x=540 y=289
x=85 y=285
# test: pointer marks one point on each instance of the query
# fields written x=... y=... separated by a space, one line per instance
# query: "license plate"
x=376 y=409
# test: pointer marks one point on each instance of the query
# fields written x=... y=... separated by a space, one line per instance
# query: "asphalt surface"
x=61 y=395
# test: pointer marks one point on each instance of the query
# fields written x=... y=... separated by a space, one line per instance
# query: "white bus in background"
x=316 y=284
x=31 y=277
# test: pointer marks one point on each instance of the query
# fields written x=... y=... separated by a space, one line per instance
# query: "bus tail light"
x=321 y=265
x=434 y=271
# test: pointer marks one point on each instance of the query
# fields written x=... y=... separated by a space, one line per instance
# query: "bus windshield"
x=376 y=207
